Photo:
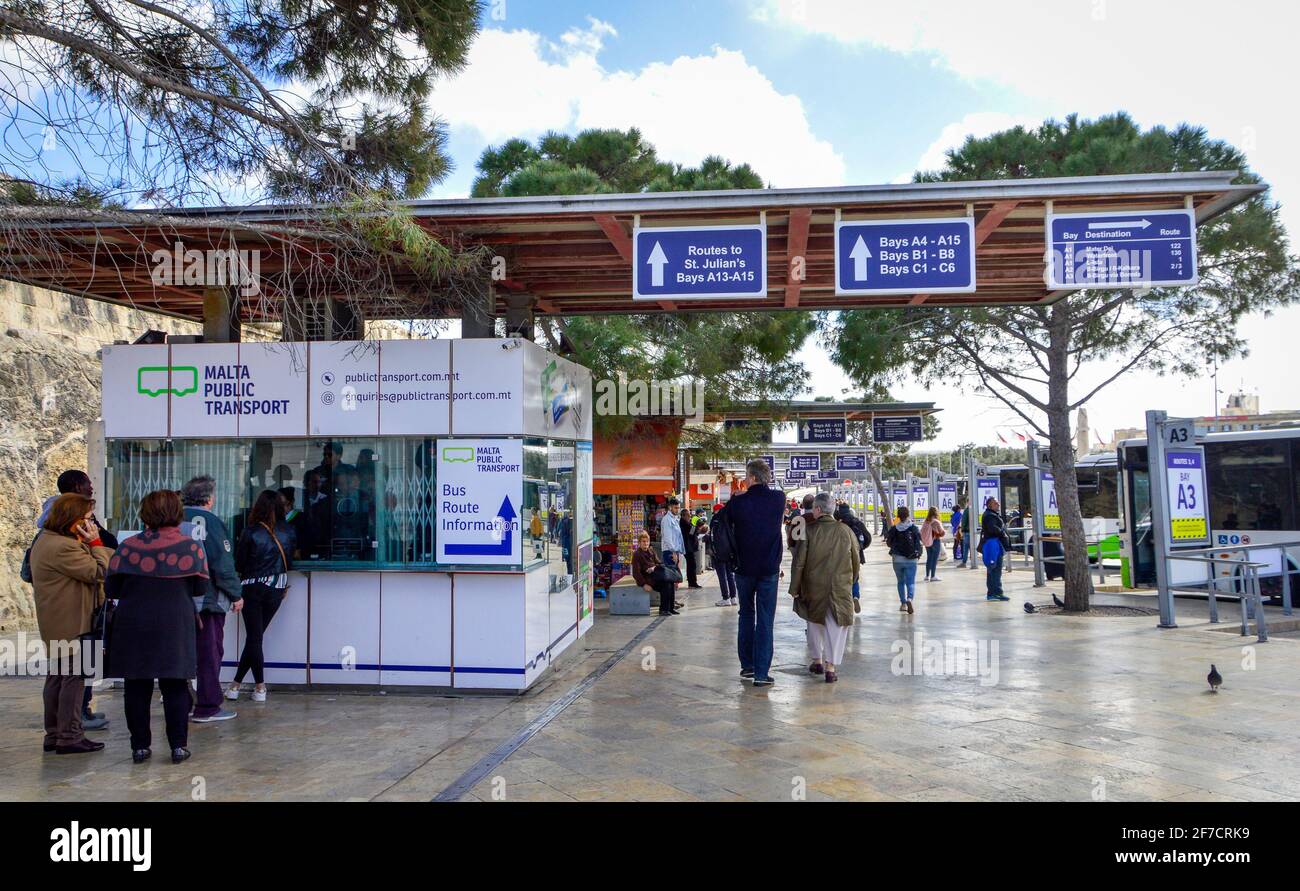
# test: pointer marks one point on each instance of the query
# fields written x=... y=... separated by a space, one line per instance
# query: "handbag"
x=665 y=573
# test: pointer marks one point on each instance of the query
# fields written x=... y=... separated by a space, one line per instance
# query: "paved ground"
x=1065 y=708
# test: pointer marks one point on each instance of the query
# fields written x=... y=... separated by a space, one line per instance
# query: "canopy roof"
x=572 y=254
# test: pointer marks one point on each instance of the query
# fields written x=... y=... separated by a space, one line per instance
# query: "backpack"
x=25 y=573
x=860 y=530
x=906 y=543
x=724 y=538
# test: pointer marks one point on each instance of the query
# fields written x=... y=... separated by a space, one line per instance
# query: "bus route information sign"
x=1188 y=508
x=1051 y=511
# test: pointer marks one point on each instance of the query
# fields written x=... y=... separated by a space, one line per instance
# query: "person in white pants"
x=821 y=582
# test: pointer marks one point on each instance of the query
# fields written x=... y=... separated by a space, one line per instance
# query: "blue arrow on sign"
x=699 y=262
x=905 y=256
x=502 y=548
x=1121 y=250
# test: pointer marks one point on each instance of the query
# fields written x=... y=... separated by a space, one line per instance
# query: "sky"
x=822 y=92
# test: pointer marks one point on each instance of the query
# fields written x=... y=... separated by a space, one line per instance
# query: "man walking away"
x=756 y=517
x=905 y=549
x=721 y=542
x=862 y=536
x=222 y=589
x=822 y=579
x=992 y=547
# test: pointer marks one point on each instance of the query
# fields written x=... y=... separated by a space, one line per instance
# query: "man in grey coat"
x=223 y=588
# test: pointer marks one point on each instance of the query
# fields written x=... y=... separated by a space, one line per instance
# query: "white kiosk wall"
x=515 y=422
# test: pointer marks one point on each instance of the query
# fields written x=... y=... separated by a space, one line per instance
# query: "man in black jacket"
x=692 y=542
x=222 y=589
x=756 y=517
x=993 y=529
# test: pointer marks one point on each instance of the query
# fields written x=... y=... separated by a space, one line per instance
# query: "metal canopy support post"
x=1159 y=522
x=1036 y=508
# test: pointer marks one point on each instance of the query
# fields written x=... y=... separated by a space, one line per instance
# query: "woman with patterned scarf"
x=155 y=577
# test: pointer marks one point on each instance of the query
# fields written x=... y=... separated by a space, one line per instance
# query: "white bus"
x=1253 y=478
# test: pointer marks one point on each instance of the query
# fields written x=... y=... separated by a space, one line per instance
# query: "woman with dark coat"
x=157 y=579
x=644 y=563
x=263 y=557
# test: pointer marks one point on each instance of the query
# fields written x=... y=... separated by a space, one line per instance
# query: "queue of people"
x=155 y=604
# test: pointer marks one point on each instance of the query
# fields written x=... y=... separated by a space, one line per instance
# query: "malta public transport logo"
x=155 y=380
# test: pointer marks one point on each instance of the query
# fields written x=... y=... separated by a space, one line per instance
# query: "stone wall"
x=49 y=392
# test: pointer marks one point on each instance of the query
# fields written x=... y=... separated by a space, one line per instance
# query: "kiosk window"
x=360 y=501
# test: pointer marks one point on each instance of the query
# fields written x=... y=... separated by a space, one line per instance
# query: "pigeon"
x=1058 y=601
x=1214 y=678
x=1030 y=608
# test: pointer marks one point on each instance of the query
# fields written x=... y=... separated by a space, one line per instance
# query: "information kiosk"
x=440 y=493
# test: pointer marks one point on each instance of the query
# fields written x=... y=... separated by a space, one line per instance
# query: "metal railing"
x=1244 y=575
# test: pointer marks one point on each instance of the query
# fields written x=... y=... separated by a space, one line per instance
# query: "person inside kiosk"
x=354 y=503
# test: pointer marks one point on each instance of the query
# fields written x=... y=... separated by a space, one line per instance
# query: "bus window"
x=1251 y=485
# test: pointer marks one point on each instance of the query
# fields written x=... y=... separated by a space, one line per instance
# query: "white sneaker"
x=259 y=695
x=735 y=601
x=232 y=692
x=935 y=579
x=723 y=602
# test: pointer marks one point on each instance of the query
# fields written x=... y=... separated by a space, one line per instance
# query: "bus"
x=1098 y=479
x=1253 y=478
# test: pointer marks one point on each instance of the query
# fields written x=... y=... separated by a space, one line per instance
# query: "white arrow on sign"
x=860 y=255
x=1121 y=224
x=657 y=261
x=807 y=431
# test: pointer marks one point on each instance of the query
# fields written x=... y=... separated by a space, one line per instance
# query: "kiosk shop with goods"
x=423 y=475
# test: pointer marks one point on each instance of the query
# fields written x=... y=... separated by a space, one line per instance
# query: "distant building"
x=1239 y=412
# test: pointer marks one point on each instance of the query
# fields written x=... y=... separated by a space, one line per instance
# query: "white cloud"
x=1227 y=67
x=518 y=84
x=977 y=124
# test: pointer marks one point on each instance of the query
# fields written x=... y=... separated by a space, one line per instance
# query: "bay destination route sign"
x=1121 y=250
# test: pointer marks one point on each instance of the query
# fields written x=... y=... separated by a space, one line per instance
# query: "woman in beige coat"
x=821 y=582
x=68 y=566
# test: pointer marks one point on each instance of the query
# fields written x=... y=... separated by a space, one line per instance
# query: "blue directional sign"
x=1121 y=250
x=850 y=462
x=795 y=476
x=896 y=428
x=771 y=462
x=805 y=462
x=827 y=475
x=905 y=256
x=822 y=430
x=700 y=262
